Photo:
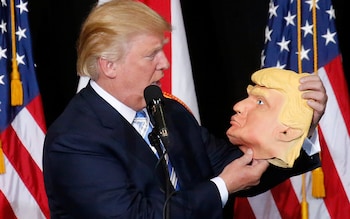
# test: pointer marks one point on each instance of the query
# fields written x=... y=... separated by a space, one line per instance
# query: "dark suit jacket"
x=97 y=166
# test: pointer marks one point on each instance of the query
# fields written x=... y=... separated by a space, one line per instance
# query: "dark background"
x=225 y=39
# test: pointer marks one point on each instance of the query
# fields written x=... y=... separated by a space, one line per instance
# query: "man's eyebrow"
x=160 y=47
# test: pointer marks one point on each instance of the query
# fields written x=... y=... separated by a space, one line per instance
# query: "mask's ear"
x=289 y=134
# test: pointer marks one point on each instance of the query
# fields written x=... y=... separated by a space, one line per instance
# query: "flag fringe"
x=304 y=205
x=318 y=188
x=304 y=210
x=16 y=88
x=16 y=84
x=2 y=160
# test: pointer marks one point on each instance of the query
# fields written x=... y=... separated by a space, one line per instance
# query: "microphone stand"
x=155 y=141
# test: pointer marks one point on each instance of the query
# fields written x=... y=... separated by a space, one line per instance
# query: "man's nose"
x=163 y=62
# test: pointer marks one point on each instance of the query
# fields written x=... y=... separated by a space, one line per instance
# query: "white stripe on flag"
x=182 y=80
x=264 y=206
x=336 y=135
x=33 y=141
x=22 y=202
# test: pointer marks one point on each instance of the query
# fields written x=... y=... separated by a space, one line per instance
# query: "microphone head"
x=153 y=92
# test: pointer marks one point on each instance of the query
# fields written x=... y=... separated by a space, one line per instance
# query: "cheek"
x=256 y=128
x=148 y=72
x=263 y=129
x=140 y=75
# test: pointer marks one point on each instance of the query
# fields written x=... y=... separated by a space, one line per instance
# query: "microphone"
x=155 y=102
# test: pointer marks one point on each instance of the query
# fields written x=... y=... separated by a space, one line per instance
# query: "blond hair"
x=108 y=29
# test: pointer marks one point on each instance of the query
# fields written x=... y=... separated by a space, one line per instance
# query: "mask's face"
x=256 y=122
x=274 y=119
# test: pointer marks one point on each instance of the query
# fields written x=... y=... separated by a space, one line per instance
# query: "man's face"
x=142 y=65
x=256 y=122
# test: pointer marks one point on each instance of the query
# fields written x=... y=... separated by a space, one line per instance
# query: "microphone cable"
x=169 y=189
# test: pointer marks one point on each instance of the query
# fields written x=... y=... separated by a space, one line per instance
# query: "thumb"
x=247 y=157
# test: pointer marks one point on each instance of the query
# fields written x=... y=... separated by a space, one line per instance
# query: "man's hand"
x=316 y=97
x=243 y=172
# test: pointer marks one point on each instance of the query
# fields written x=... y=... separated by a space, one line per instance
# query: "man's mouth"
x=156 y=83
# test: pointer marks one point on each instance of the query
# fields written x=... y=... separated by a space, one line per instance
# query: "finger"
x=308 y=78
x=261 y=163
x=247 y=157
x=314 y=95
x=312 y=85
x=317 y=106
x=243 y=148
x=311 y=82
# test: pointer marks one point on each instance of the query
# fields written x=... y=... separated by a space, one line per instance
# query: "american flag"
x=22 y=127
x=284 y=50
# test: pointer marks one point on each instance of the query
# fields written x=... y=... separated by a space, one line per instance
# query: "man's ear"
x=289 y=134
x=107 y=67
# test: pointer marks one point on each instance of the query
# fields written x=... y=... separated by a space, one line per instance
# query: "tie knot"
x=141 y=123
x=140 y=114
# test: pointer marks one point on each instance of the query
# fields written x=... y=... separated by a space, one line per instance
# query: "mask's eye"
x=260 y=102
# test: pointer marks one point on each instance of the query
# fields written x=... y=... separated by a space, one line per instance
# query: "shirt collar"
x=125 y=111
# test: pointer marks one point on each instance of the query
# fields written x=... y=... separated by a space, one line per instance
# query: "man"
x=284 y=117
x=97 y=165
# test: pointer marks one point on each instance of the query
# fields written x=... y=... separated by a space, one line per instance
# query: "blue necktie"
x=142 y=124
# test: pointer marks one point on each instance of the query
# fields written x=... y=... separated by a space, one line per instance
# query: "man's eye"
x=260 y=102
x=151 y=57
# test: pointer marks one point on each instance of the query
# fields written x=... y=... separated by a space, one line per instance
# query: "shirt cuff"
x=312 y=145
x=220 y=184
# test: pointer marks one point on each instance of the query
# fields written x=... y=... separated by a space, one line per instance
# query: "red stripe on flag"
x=337 y=79
x=286 y=200
x=336 y=200
x=26 y=168
x=164 y=9
x=6 y=211
x=242 y=209
x=37 y=112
